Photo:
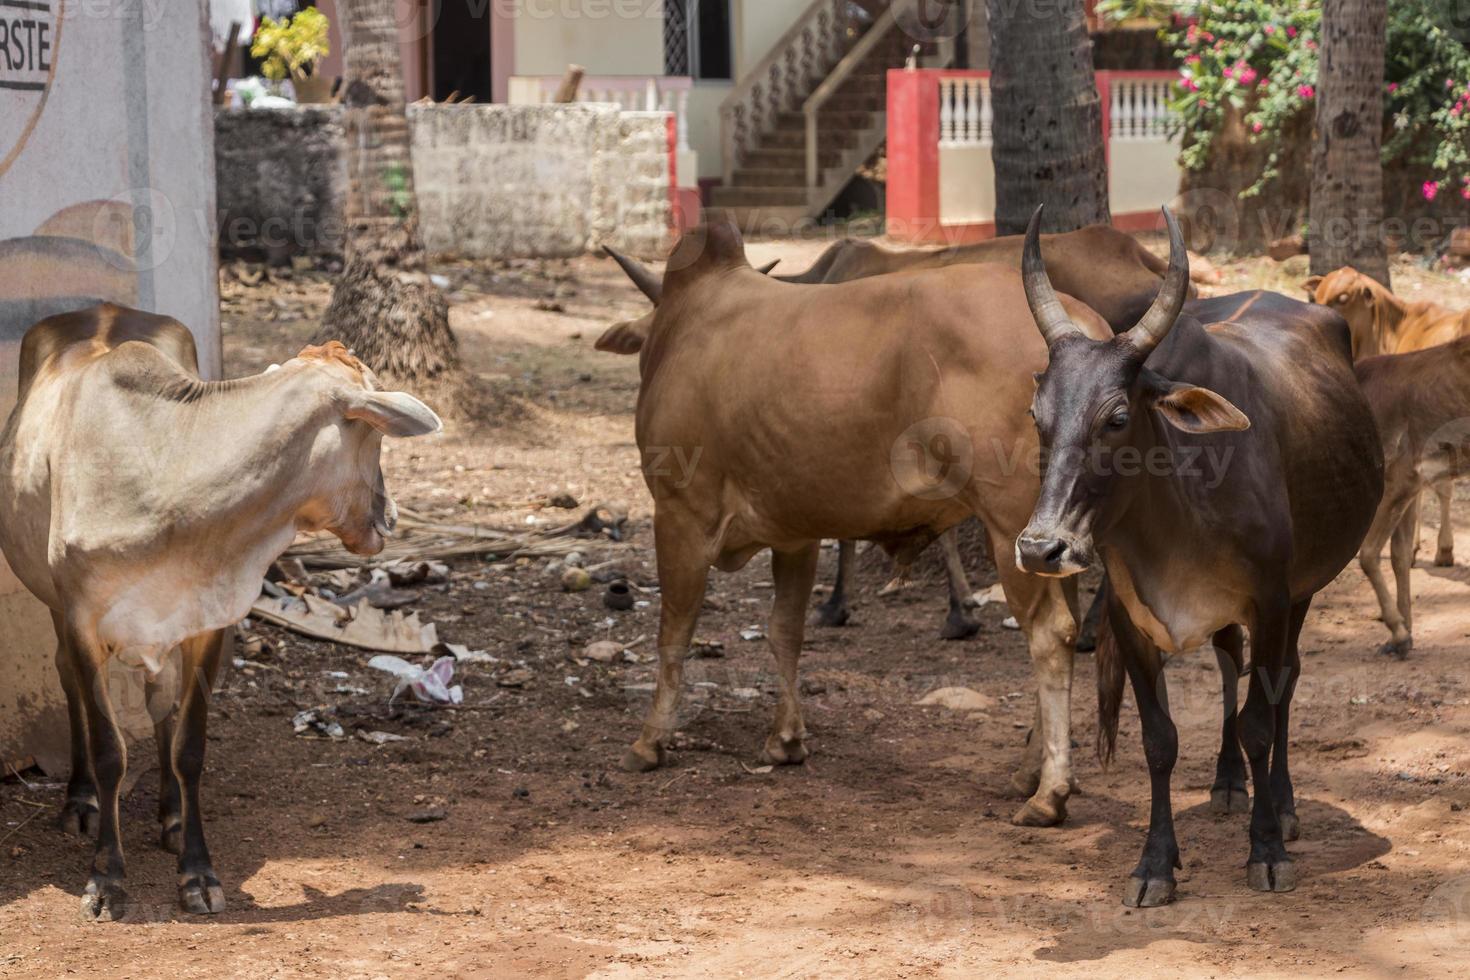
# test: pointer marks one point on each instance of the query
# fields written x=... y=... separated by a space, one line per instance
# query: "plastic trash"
x=430 y=685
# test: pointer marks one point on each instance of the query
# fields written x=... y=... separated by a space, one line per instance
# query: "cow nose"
x=1041 y=554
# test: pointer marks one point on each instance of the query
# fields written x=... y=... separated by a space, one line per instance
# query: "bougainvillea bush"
x=1259 y=58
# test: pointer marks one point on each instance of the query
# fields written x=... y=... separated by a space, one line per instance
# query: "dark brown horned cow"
x=1124 y=426
x=810 y=413
x=143 y=506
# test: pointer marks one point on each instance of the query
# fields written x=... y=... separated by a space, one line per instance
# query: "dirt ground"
x=890 y=853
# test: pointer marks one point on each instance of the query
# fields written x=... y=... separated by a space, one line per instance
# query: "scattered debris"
x=1010 y=623
x=417 y=540
x=603 y=651
x=432 y=814
x=752 y=633
x=958 y=699
x=360 y=626
x=431 y=685
x=576 y=580
x=380 y=738
x=563 y=501
x=618 y=597
x=463 y=654
x=758 y=770
x=707 y=649
x=320 y=722
x=519 y=677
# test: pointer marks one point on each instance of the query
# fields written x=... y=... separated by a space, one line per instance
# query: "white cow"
x=143 y=506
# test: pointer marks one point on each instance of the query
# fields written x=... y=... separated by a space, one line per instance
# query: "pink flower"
x=1228 y=72
x=1192 y=60
x=1246 y=75
x=1270 y=28
x=1190 y=85
x=1465 y=192
x=1203 y=103
x=1311 y=45
x=1449 y=83
x=1305 y=91
x=1291 y=32
x=1256 y=127
x=1455 y=111
x=1393 y=86
x=1430 y=188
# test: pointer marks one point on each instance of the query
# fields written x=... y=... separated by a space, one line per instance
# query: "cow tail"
x=1109 y=690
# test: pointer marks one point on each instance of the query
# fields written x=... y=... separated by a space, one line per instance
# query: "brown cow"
x=143 y=506
x=1421 y=402
x=887 y=409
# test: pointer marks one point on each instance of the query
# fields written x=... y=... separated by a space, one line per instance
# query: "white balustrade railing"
x=965 y=111
x=634 y=93
x=1140 y=109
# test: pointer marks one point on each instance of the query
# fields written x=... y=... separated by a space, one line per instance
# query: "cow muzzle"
x=1051 y=553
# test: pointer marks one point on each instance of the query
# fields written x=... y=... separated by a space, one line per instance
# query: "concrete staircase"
x=767 y=184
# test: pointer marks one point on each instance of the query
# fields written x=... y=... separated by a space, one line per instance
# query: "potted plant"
x=291 y=48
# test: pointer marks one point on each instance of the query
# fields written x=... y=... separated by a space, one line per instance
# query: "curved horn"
x=646 y=281
x=1051 y=318
x=1159 y=319
x=765 y=270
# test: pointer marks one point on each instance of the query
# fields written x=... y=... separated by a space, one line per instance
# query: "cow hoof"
x=1291 y=827
x=959 y=626
x=1086 y=642
x=1139 y=893
x=831 y=616
x=1230 y=799
x=104 y=900
x=201 y=894
x=1024 y=784
x=1398 y=649
x=1445 y=559
x=784 y=752
x=80 y=818
x=642 y=758
x=1040 y=813
x=171 y=837
x=1278 y=877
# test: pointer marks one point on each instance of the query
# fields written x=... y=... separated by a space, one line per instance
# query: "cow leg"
x=170 y=805
x=1393 y=512
x=1087 y=632
x=1270 y=868
x=1281 y=788
x=1040 y=606
x=834 y=611
x=683 y=572
x=1152 y=882
x=79 y=814
x=1402 y=546
x=1229 y=794
x=793 y=573
x=1444 y=555
x=960 y=625
x=104 y=897
x=199 y=889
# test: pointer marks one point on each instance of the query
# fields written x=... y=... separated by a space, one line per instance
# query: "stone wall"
x=500 y=181
x=493 y=181
x=281 y=179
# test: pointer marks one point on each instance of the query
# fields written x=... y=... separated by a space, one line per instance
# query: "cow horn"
x=1051 y=318
x=765 y=270
x=1159 y=319
x=642 y=278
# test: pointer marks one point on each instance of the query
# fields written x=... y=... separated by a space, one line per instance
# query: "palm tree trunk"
x=1347 y=168
x=384 y=305
x=1048 y=118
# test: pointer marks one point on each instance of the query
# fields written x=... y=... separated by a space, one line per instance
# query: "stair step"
x=730 y=197
x=772 y=177
x=842 y=119
x=776 y=221
x=782 y=159
x=793 y=138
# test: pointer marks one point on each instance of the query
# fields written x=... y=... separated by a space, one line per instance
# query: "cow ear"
x=1310 y=285
x=624 y=338
x=1199 y=410
x=393 y=413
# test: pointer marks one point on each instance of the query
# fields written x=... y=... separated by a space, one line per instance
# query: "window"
x=697 y=38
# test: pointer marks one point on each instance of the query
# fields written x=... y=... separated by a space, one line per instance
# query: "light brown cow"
x=1382 y=323
x=887 y=409
x=143 y=506
x=1421 y=402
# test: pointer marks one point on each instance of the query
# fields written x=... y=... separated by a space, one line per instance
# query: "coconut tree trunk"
x=1048 y=117
x=384 y=306
x=1347 y=168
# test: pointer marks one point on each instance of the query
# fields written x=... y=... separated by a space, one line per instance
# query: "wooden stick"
x=570 y=83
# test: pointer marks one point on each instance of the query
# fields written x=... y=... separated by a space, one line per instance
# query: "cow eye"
x=1118 y=420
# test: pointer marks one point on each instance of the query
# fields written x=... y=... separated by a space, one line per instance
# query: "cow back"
x=104 y=327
